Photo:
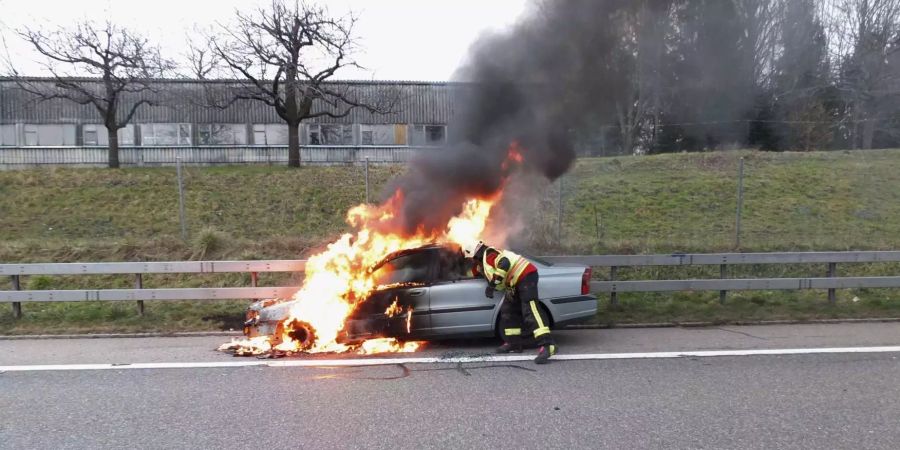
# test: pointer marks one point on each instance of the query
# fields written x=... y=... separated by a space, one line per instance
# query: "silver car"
x=436 y=283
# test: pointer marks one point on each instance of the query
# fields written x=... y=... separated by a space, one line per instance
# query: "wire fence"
x=149 y=156
x=689 y=202
x=722 y=201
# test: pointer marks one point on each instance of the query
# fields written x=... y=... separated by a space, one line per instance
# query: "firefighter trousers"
x=522 y=317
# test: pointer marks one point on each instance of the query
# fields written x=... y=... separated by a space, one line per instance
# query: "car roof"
x=409 y=251
x=449 y=248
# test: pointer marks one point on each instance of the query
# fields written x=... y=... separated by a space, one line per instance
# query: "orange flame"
x=385 y=345
x=394 y=309
x=513 y=157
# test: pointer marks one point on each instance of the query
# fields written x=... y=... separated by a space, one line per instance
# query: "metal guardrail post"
x=16 y=306
x=254 y=282
x=613 y=296
x=723 y=273
x=139 y=284
x=832 y=272
x=740 y=204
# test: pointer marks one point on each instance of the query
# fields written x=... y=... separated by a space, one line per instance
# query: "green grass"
x=687 y=202
x=655 y=204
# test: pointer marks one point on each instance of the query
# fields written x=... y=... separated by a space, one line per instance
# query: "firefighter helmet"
x=471 y=249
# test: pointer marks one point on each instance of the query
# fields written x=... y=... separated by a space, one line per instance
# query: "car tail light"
x=586 y=282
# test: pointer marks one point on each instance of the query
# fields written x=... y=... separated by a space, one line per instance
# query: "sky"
x=399 y=39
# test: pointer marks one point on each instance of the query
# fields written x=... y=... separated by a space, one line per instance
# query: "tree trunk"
x=626 y=129
x=868 y=133
x=293 y=145
x=113 y=158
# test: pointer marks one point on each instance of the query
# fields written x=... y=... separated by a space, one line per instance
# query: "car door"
x=458 y=304
x=399 y=307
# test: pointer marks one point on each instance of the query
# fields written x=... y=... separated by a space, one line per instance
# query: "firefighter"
x=520 y=314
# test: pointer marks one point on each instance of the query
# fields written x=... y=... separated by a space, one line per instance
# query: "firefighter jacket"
x=503 y=269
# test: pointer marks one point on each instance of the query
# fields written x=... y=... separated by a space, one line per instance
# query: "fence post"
x=367 y=180
x=559 y=213
x=16 y=306
x=139 y=284
x=180 y=199
x=254 y=282
x=740 y=203
x=832 y=272
x=723 y=269
x=613 y=296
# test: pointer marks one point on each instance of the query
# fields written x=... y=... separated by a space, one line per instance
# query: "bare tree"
x=864 y=39
x=284 y=57
x=202 y=59
x=123 y=61
x=759 y=21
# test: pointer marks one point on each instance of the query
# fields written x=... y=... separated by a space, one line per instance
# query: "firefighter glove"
x=489 y=291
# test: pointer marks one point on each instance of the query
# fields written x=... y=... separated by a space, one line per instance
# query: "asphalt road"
x=795 y=401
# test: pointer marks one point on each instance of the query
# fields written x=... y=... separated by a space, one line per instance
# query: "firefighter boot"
x=544 y=353
x=509 y=348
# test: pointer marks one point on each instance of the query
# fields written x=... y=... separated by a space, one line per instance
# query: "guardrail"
x=723 y=284
x=138 y=269
x=831 y=282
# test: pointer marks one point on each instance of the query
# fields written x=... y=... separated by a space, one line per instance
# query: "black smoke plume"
x=531 y=85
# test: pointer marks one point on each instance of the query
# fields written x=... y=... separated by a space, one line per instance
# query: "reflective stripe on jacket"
x=506 y=269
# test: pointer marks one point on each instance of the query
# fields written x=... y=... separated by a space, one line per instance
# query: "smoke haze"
x=530 y=85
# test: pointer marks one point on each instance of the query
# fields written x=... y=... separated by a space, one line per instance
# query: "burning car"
x=429 y=292
x=399 y=275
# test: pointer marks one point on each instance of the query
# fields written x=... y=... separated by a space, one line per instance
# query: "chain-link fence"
x=627 y=205
x=705 y=202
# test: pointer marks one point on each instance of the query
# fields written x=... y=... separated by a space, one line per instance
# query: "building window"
x=31 y=135
x=222 y=134
x=330 y=134
x=270 y=134
x=166 y=133
x=49 y=135
x=432 y=135
x=435 y=134
x=8 y=135
x=96 y=134
x=378 y=135
x=90 y=135
x=259 y=134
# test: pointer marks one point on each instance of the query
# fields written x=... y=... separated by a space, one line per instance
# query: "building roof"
x=183 y=100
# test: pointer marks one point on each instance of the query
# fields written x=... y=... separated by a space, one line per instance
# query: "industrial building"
x=180 y=121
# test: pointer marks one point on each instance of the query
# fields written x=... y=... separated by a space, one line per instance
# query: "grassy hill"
x=666 y=203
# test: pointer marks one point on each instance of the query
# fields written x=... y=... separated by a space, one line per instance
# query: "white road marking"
x=434 y=360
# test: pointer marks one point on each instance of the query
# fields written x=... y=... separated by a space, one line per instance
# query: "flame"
x=339 y=278
x=469 y=225
x=385 y=345
x=394 y=309
x=247 y=346
x=513 y=157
